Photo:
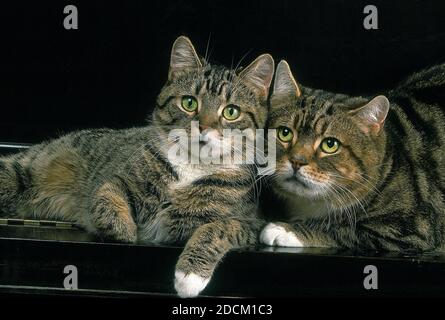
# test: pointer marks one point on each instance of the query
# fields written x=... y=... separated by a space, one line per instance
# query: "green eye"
x=330 y=145
x=189 y=103
x=231 y=112
x=285 y=134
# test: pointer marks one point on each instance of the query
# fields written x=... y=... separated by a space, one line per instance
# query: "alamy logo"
x=71 y=21
x=71 y=280
x=233 y=147
x=371 y=20
x=371 y=280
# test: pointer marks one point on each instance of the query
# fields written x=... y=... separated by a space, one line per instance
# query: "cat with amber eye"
x=357 y=172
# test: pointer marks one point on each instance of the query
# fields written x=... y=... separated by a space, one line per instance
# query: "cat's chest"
x=303 y=208
x=187 y=174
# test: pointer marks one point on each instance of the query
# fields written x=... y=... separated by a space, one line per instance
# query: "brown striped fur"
x=384 y=188
x=120 y=184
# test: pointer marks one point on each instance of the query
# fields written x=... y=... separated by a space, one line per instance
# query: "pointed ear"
x=183 y=57
x=285 y=84
x=259 y=73
x=372 y=115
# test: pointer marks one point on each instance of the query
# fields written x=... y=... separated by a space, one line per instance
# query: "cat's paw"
x=275 y=235
x=189 y=285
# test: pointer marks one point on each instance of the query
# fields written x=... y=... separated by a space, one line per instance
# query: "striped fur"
x=383 y=189
x=120 y=184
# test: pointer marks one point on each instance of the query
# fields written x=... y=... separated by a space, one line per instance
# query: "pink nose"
x=203 y=127
x=297 y=162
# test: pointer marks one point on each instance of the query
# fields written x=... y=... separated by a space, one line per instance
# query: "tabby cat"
x=357 y=172
x=121 y=185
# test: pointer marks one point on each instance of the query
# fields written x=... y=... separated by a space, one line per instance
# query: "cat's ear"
x=284 y=83
x=183 y=57
x=371 y=117
x=259 y=73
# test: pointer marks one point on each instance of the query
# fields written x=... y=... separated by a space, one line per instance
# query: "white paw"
x=190 y=285
x=275 y=235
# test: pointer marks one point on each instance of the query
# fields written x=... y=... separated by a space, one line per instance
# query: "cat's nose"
x=298 y=161
x=203 y=127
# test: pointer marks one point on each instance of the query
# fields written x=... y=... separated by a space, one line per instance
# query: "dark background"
x=109 y=71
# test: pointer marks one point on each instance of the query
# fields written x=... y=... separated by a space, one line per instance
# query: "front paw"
x=189 y=285
x=276 y=235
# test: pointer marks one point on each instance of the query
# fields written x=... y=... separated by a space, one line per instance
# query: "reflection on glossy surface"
x=32 y=260
x=78 y=235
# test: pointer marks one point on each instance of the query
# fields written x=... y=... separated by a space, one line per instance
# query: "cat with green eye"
x=122 y=186
x=356 y=172
x=230 y=112
x=327 y=145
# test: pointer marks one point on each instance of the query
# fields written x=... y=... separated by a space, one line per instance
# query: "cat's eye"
x=231 y=112
x=285 y=134
x=189 y=103
x=330 y=145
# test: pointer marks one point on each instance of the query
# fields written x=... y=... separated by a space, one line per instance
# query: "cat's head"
x=218 y=97
x=329 y=146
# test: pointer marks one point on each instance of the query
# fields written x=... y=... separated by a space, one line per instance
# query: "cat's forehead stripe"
x=309 y=113
x=296 y=117
x=216 y=80
x=321 y=116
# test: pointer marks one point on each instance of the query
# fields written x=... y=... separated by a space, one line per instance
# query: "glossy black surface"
x=32 y=260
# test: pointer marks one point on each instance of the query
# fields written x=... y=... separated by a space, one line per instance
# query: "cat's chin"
x=301 y=187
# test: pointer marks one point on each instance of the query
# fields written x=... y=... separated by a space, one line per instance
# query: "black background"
x=109 y=71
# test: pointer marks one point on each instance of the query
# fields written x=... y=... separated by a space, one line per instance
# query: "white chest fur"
x=188 y=173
